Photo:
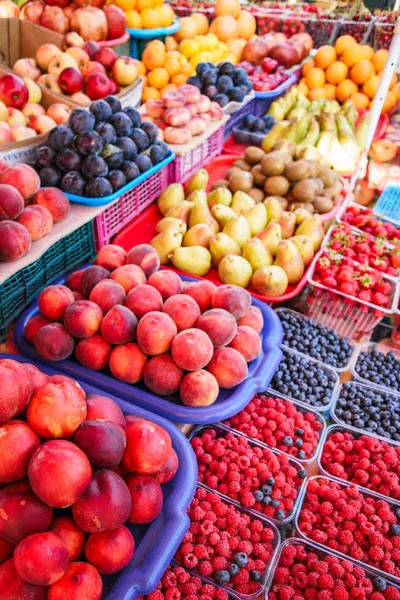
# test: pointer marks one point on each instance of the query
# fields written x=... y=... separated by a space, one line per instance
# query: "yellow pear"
x=242 y=203
x=173 y=194
x=238 y=229
x=198 y=235
x=198 y=197
x=257 y=218
x=313 y=228
x=165 y=243
x=274 y=208
x=170 y=223
x=222 y=214
x=219 y=196
x=198 y=181
x=221 y=245
x=301 y=215
x=235 y=270
x=257 y=254
x=195 y=260
x=180 y=211
x=289 y=259
x=200 y=213
x=270 y=281
x=287 y=221
x=305 y=247
x=271 y=237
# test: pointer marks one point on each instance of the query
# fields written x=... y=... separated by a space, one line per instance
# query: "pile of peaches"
x=123 y=314
x=27 y=213
x=74 y=470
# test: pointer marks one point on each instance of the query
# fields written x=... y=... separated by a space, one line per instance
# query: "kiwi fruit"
x=242 y=164
x=253 y=155
x=314 y=166
x=303 y=205
x=297 y=171
x=285 y=146
x=323 y=204
x=257 y=195
x=332 y=193
x=258 y=175
x=242 y=182
x=273 y=164
x=328 y=176
x=320 y=185
x=305 y=190
x=276 y=186
x=231 y=171
x=221 y=183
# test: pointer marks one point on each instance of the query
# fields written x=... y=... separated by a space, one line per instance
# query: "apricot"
x=183 y=310
x=192 y=349
x=253 y=318
x=105 y=505
x=169 y=470
x=129 y=276
x=107 y=293
x=74 y=281
x=12 y=587
x=53 y=342
x=127 y=363
x=59 y=473
x=228 y=366
x=33 y=326
x=73 y=536
x=15 y=241
x=148 y=447
x=36 y=377
x=93 y=353
x=17 y=444
x=91 y=277
x=202 y=292
x=16 y=389
x=37 y=220
x=110 y=551
x=54 y=300
x=41 y=558
x=22 y=177
x=103 y=442
x=162 y=375
x=103 y=408
x=219 y=325
x=119 y=325
x=199 y=388
x=147 y=498
x=234 y=299
x=6 y=552
x=55 y=201
x=247 y=342
x=145 y=257
x=111 y=257
x=81 y=582
x=155 y=333
x=11 y=203
x=143 y=299
x=167 y=283
x=83 y=318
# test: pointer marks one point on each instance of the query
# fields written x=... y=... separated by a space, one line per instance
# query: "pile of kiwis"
x=298 y=179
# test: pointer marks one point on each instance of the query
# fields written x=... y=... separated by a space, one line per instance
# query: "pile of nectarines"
x=141 y=323
x=77 y=454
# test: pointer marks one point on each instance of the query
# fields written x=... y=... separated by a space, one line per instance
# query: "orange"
x=171 y=43
x=306 y=67
x=179 y=79
x=367 y=51
x=390 y=102
x=158 y=78
x=371 y=86
x=316 y=93
x=303 y=88
x=201 y=23
x=164 y=15
x=330 y=91
x=352 y=55
x=150 y=93
x=157 y=44
x=393 y=81
x=125 y=5
x=336 y=72
x=315 y=78
x=170 y=87
x=396 y=91
x=150 y=18
x=172 y=67
x=360 y=100
x=247 y=24
x=142 y=4
x=133 y=20
x=188 y=29
x=227 y=7
x=379 y=59
x=186 y=69
x=343 y=42
x=362 y=71
x=345 y=89
x=325 y=56
x=153 y=57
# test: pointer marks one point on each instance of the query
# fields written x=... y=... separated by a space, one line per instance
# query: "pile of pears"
x=258 y=245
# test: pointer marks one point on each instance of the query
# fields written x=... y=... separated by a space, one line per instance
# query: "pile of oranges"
x=347 y=70
x=146 y=14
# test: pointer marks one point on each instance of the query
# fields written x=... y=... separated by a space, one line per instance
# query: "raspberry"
x=205 y=568
x=200 y=551
x=223 y=549
x=376 y=554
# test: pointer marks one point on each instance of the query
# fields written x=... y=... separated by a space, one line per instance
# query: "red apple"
x=59 y=112
x=60 y=3
x=124 y=70
x=92 y=68
x=44 y=54
x=8 y=10
x=106 y=57
x=285 y=54
x=13 y=91
x=79 y=55
x=31 y=110
x=116 y=21
x=26 y=67
x=114 y=89
x=90 y=23
x=54 y=18
x=71 y=80
x=73 y=40
x=6 y=136
x=91 y=48
x=97 y=86
x=32 y=11
x=49 y=82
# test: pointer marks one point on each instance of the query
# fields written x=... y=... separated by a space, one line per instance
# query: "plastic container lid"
x=148 y=34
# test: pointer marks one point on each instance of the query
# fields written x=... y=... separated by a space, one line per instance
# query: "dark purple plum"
x=209 y=76
x=114 y=103
x=89 y=143
x=113 y=156
x=73 y=183
x=101 y=110
x=158 y=152
x=81 y=120
x=240 y=76
x=210 y=91
x=98 y=187
x=60 y=138
x=140 y=138
x=236 y=95
x=107 y=132
x=130 y=170
x=68 y=160
x=201 y=67
x=227 y=68
x=224 y=84
x=45 y=157
x=117 y=179
x=194 y=80
x=128 y=147
x=143 y=162
x=222 y=99
x=133 y=115
x=94 y=166
x=49 y=177
x=151 y=130
x=121 y=123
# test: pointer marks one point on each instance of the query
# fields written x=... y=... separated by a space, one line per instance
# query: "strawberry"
x=364 y=295
x=390 y=228
x=322 y=264
x=378 y=248
x=383 y=287
x=362 y=248
x=380 y=231
x=395 y=259
x=380 y=299
x=330 y=282
x=363 y=259
x=380 y=264
x=350 y=252
x=367 y=281
x=347 y=288
x=347 y=262
x=360 y=221
x=391 y=271
x=345 y=276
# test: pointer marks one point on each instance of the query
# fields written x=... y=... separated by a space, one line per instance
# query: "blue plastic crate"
x=263 y=100
x=388 y=205
x=141 y=37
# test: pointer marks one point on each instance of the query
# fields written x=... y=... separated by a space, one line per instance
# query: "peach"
x=111 y=257
x=247 y=342
x=103 y=442
x=202 y=292
x=54 y=300
x=192 y=108
x=232 y=298
x=228 y=366
x=105 y=505
x=11 y=203
x=155 y=108
x=91 y=277
x=81 y=582
x=15 y=241
x=107 y=293
x=13 y=587
x=6 y=136
x=159 y=122
x=173 y=100
x=72 y=535
x=253 y=318
x=55 y=201
x=59 y=473
x=145 y=257
x=41 y=558
x=155 y=333
x=219 y=325
x=74 y=280
x=129 y=276
x=177 y=135
x=57 y=409
x=36 y=377
x=42 y=124
x=53 y=342
x=59 y=113
x=37 y=220
x=147 y=498
x=127 y=363
x=196 y=126
x=190 y=92
x=119 y=325
x=23 y=177
x=17 y=444
x=103 y=408
x=192 y=349
x=33 y=326
x=16 y=389
x=216 y=113
x=169 y=470
x=78 y=296
x=167 y=283
x=206 y=118
x=110 y=551
x=83 y=318
x=93 y=352
x=22 y=513
x=183 y=310
x=199 y=388
x=148 y=447
x=176 y=117
x=162 y=375
x=143 y=299
x=203 y=105
x=6 y=552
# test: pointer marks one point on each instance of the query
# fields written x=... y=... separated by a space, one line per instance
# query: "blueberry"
x=140 y=138
x=81 y=120
x=233 y=569
x=258 y=126
x=121 y=123
x=143 y=162
x=107 y=132
x=114 y=103
x=222 y=99
x=101 y=110
x=133 y=115
x=98 y=187
x=301 y=474
x=194 y=80
x=89 y=143
x=266 y=490
x=287 y=441
x=258 y=495
x=130 y=170
x=298 y=443
x=299 y=431
x=241 y=559
x=117 y=179
x=45 y=157
x=113 y=156
x=270 y=481
x=255 y=575
x=275 y=503
x=68 y=160
x=379 y=584
x=151 y=130
x=73 y=183
x=380 y=368
x=266 y=500
x=128 y=147
x=94 y=166
x=60 y=137
x=269 y=121
x=301 y=455
x=397 y=513
x=222 y=577
x=280 y=515
x=49 y=177
x=395 y=530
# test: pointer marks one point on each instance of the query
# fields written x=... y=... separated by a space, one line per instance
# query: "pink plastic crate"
x=130 y=205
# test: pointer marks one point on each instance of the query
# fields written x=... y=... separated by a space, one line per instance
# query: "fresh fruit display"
x=63 y=451
x=309 y=337
x=99 y=151
x=369 y=409
x=82 y=74
x=222 y=84
x=303 y=567
x=144 y=324
x=256 y=125
x=348 y=71
x=363 y=460
x=364 y=219
x=182 y=114
x=145 y=14
x=375 y=520
x=226 y=544
x=379 y=367
x=286 y=51
x=305 y=380
x=281 y=424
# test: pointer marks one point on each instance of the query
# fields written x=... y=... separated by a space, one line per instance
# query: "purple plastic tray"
x=229 y=401
x=157 y=542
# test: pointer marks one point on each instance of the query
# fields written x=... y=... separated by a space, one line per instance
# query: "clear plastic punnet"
x=370 y=347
